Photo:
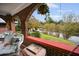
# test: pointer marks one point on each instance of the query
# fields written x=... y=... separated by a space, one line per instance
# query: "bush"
x=35 y=34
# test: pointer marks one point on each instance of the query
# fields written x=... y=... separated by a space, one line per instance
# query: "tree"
x=33 y=23
x=69 y=18
x=70 y=29
x=60 y=22
x=49 y=20
x=49 y=27
x=70 y=26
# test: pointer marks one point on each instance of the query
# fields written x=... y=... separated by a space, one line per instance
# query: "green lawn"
x=52 y=38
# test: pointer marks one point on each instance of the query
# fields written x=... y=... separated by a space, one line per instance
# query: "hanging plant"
x=43 y=9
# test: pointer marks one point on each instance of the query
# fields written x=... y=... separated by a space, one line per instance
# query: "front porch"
x=52 y=48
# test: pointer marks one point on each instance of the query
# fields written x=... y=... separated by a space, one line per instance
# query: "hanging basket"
x=43 y=9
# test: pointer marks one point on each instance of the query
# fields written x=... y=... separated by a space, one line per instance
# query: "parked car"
x=74 y=39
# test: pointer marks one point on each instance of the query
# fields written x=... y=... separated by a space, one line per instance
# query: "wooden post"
x=8 y=21
x=24 y=16
x=23 y=27
x=13 y=26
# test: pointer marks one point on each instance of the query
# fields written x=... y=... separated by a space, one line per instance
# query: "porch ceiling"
x=12 y=8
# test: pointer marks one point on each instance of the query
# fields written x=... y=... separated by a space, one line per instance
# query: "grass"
x=53 y=38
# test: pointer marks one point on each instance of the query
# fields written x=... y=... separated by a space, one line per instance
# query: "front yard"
x=52 y=38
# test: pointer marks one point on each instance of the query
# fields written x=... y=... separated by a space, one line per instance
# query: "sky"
x=57 y=10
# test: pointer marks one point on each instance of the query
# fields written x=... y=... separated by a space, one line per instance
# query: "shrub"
x=35 y=34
